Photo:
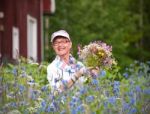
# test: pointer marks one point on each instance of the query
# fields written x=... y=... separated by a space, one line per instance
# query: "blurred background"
x=26 y=27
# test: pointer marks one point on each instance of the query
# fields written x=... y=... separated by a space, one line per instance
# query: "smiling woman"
x=65 y=70
x=62 y=46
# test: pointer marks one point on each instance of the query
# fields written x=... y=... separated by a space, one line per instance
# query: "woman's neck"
x=65 y=58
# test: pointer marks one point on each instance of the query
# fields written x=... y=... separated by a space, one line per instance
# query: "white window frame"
x=53 y=6
x=15 y=43
x=32 y=38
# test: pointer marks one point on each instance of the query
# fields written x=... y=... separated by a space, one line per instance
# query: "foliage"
x=18 y=84
x=117 y=23
x=23 y=89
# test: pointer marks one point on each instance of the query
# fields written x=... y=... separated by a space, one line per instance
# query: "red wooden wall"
x=15 y=14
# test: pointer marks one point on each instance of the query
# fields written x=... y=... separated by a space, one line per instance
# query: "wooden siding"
x=15 y=14
x=46 y=6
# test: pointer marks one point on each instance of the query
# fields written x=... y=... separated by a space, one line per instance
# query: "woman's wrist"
x=78 y=74
x=73 y=79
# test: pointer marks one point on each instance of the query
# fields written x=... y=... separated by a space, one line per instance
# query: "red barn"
x=21 y=28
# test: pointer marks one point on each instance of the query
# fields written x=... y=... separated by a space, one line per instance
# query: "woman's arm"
x=73 y=79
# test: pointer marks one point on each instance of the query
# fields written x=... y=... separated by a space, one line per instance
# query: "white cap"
x=62 y=33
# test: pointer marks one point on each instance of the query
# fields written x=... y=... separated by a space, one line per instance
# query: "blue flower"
x=138 y=88
x=112 y=100
x=53 y=107
x=132 y=101
x=83 y=90
x=89 y=99
x=107 y=93
x=73 y=111
x=14 y=71
x=44 y=88
x=13 y=104
x=72 y=104
x=80 y=109
x=116 y=83
x=21 y=88
x=132 y=111
x=23 y=74
x=146 y=91
x=75 y=99
x=131 y=93
x=131 y=82
x=49 y=109
x=51 y=96
x=63 y=112
x=126 y=106
x=43 y=104
x=116 y=88
x=1 y=78
x=95 y=82
x=126 y=75
x=103 y=73
x=105 y=104
x=63 y=99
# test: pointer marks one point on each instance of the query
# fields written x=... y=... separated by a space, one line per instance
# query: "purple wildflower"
x=102 y=73
x=126 y=75
x=63 y=112
x=112 y=100
x=89 y=99
x=138 y=88
x=43 y=105
x=132 y=111
x=44 y=88
x=14 y=71
x=126 y=106
x=21 y=88
x=95 y=82
x=80 y=109
x=146 y=91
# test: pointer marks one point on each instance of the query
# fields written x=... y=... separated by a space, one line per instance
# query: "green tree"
x=115 y=22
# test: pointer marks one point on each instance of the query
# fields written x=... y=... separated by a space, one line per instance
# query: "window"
x=31 y=38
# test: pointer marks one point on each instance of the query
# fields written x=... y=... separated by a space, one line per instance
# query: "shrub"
x=24 y=89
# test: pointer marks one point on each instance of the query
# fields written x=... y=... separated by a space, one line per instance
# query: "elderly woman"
x=65 y=70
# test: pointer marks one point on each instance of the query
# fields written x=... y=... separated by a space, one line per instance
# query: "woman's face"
x=62 y=46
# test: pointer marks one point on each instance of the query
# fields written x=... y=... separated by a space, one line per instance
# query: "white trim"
x=1 y=14
x=53 y=6
x=15 y=43
x=32 y=43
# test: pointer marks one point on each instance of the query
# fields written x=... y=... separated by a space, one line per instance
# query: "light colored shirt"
x=58 y=72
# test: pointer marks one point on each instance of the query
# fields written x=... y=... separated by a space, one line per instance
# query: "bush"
x=24 y=89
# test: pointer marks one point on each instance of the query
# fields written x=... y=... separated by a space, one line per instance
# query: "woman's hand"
x=81 y=72
x=94 y=71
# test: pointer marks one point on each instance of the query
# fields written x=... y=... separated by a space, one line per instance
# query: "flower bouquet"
x=97 y=54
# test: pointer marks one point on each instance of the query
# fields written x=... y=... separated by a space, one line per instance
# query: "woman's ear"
x=52 y=45
x=71 y=44
x=71 y=51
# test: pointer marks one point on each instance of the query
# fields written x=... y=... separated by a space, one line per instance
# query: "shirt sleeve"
x=52 y=78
